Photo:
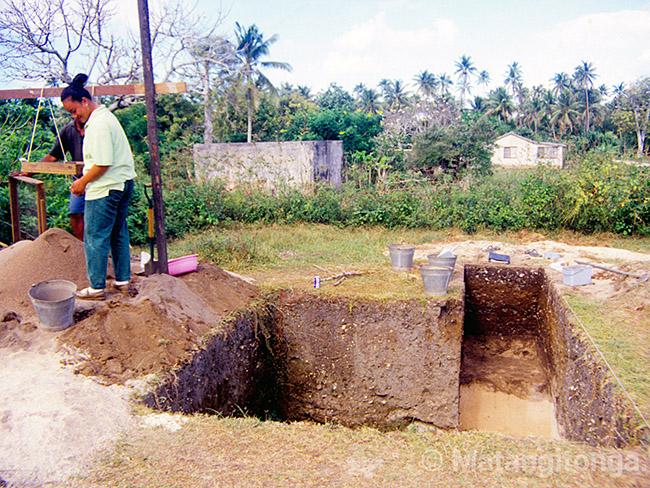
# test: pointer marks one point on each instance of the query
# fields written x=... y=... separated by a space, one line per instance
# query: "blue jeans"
x=105 y=230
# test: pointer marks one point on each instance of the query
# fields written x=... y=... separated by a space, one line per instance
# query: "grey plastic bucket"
x=401 y=256
x=53 y=301
x=435 y=260
x=435 y=279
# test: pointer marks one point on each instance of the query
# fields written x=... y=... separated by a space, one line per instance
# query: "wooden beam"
x=14 y=209
x=69 y=168
x=27 y=179
x=96 y=90
x=41 y=209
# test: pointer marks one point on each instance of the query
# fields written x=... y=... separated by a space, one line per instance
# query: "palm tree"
x=251 y=47
x=513 y=78
x=500 y=104
x=386 y=87
x=369 y=101
x=565 y=112
x=304 y=91
x=618 y=92
x=483 y=78
x=478 y=104
x=400 y=95
x=426 y=83
x=444 y=82
x=561 y=82
x=464 y=68
x=584 y=76
x=535 y=107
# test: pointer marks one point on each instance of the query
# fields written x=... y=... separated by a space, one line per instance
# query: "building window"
x=508 y=152
x=546 y=152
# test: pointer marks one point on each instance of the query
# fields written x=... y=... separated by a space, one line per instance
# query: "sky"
x=363 y=41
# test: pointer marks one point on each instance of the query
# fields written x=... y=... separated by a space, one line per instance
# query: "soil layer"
x=369 y=362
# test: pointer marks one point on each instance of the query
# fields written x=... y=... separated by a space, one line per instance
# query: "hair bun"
x=80 y=80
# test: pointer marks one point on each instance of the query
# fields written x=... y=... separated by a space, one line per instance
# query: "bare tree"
x=51 y=40
x=637 y=99
x=189 y=47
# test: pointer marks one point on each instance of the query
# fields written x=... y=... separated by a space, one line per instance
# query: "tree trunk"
x=640 y=141
x=249 y=100
x=587 y=118
x=208 y=128
x=641 y=126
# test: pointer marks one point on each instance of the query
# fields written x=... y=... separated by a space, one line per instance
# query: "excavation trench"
x=504 y=356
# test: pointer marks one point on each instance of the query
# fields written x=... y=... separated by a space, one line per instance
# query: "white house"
x=513 y=150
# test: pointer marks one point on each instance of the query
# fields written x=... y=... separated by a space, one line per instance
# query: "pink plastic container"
x=182 y=265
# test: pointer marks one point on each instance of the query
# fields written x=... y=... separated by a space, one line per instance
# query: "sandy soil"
x=53 y=422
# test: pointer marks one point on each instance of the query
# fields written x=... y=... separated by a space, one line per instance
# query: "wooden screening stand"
x=68 y=168
x=15 y=208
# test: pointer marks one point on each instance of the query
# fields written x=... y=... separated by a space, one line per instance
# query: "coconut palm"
x=565 y=112
x=400 y=95
x=618 y=91
x=394 y=93
x=514 y=78
x=584 y=76
x=369 y=101
x=478 y=104
x=561 y=82
x=305 y=91
x=500 y=104
x=534 y=110
x=251 y=47
x=426 y=83
x=444 y=82
x=483 y=78
x=464 y=68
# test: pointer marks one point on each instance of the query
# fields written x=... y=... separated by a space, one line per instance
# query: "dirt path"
x=53 y=422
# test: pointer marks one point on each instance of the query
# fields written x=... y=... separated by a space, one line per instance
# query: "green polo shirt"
x=105 y=144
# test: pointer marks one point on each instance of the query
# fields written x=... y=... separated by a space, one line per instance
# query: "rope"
x=58 y=134
x=602 y=356
x=38 y=109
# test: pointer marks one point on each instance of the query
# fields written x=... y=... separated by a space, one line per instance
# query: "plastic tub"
x=53 y=301
x=401 y=256
x=577 y=275
x=182 y=265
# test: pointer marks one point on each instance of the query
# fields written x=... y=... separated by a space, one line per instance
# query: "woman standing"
x=108 y=184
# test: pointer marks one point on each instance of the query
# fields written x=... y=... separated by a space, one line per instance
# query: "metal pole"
x=152 y=134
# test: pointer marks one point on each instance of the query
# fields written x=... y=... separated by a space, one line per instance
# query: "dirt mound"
x=129 y=337
x=54 y=255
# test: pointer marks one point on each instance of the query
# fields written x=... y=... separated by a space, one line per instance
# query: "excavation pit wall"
x=386 y=363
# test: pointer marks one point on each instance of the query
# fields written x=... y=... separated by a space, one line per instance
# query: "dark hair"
x=76 y=90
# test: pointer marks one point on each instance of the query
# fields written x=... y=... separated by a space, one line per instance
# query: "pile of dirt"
x=158 y=328
x=54 y=255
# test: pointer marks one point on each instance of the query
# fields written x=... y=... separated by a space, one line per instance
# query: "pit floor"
x=504 y=388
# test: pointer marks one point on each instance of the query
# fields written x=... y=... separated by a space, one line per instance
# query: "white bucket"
x=577 y=275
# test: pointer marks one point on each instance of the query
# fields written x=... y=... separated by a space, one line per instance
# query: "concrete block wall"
x=297 y=164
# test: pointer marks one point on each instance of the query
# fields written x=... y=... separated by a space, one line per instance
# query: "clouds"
x=374 y=49
x=617 y=43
